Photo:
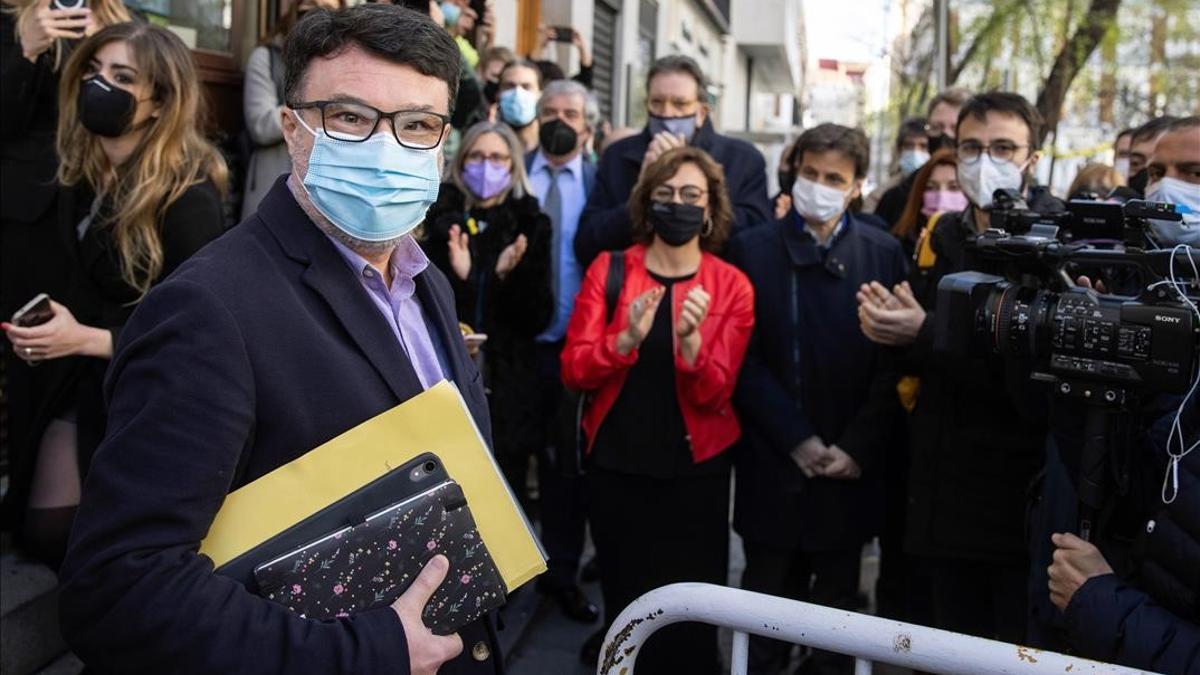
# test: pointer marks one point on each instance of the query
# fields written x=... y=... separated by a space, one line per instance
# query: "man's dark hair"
x=1127 y=131
x=913 y=126
x=1184 y=123
x=1152 y=129
x=393 y=33
x=551 y=71
x=680 y=64
x=524 y=63
x=954 y=96
x=826 y=137
x=419 y=6
x=979 y=105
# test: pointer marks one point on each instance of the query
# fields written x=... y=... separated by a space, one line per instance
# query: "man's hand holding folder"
x=426 y=651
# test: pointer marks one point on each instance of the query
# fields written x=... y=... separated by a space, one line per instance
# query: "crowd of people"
x=647 y=338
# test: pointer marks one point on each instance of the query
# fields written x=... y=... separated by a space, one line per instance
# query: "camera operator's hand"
x=1075 y=562
x=1087 y=283
x=811 y=456
x=840 y=465
x=890 y=318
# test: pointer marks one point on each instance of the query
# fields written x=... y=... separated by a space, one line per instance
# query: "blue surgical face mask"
x=679 y=126
x=518 y=107
x=911 y=160
x=1186 y=197
x=451 y=12
x=374 y=191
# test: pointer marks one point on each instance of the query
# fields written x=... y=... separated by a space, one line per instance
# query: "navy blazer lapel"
x=331 y=278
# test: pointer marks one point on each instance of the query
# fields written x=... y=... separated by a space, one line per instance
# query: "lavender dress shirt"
x=398 y=306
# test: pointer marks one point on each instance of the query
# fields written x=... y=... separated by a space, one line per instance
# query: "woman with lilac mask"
x=935 y=190
x=487 y=234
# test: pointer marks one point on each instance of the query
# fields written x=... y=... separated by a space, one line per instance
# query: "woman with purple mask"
x=935 y=190
x=487 y=234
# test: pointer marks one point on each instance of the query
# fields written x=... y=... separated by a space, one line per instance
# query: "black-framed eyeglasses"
x=688 y=194
x=356 y=122
x=971 y=151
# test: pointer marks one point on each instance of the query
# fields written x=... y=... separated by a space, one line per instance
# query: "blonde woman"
x=34 y=41
x=141 y=193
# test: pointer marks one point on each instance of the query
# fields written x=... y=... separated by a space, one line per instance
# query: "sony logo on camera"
x=1168 y=319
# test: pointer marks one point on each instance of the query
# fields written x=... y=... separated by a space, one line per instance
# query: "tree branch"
x=1096 y=22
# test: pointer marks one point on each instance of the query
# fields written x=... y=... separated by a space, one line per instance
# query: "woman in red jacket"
x=661 y=374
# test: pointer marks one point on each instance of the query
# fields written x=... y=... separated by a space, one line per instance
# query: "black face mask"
x=676 y=224
x=104 y=109
x=491 y=91
x=940 y=142
x=557 y=138
x=1139 y=181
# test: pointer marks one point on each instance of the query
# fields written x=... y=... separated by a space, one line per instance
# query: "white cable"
x=1171 y=477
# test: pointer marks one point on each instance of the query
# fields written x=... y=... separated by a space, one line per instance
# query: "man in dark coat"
x=1133 y=598
x=562 y=177
x=978 y=429
x=274 y=339
x=816 y=401
x=675 y=93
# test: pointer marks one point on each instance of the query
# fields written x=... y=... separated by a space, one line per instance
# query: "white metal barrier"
x=867 y=638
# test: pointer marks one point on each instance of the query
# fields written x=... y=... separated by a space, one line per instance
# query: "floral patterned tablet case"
x=370 y=564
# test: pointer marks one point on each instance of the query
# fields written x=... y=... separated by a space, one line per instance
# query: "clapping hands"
x=889 y=317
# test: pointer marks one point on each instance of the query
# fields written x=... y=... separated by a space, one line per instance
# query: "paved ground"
x=551 y=643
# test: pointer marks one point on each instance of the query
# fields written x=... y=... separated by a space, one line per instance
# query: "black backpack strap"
x=612 y=286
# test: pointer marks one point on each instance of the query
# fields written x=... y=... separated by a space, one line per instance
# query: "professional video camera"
x=1108 y=351
x=1022 y=301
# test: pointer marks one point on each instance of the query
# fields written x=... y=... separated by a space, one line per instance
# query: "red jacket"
x=591 y=362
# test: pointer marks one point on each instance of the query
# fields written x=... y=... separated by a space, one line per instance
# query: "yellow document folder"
x=436 y=421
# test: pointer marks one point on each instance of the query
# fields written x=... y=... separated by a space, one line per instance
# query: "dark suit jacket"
x=604 y=225
x=810 y=370
x=258 y=349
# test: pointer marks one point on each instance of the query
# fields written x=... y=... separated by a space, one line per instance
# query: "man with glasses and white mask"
x=978 y=430
x=676 y=91
x=314 y=315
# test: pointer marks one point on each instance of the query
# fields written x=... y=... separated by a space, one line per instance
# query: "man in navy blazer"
x=315 y=314
x=676 y=91
x=562 y=177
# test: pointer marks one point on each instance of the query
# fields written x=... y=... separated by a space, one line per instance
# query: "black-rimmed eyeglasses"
x=356 y=122
x=971 y=151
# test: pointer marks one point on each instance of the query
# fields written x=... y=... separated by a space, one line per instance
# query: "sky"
x=848 y=30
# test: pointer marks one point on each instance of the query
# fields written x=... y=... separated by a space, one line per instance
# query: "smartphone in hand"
x=68 y=4
x=35 y=312
x=564 y=34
